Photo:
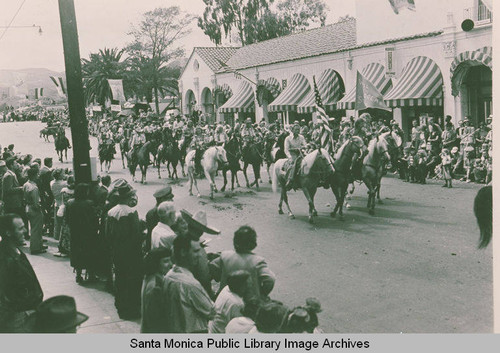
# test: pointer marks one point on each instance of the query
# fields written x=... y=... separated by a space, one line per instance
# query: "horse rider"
x=304 y=129
x=137 y=141
x=220 y=136
x=294 y=144
x=248 y=133
x=198 y=143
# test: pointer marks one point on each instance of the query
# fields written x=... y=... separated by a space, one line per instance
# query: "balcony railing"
x=480 y=14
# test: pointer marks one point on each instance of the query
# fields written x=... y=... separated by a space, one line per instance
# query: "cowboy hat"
x=56 y=315
x=199 y=221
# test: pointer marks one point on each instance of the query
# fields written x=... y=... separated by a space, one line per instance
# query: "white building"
x=425 y=62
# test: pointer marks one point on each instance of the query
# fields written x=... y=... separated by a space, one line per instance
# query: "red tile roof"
x=211 y=55
x=322 y=40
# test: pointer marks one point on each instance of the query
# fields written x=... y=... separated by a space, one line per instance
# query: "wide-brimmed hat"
x=55 y=315
x=199 y=221
x=122 y=189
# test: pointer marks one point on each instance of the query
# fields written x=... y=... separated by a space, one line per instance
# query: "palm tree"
x=104 y=65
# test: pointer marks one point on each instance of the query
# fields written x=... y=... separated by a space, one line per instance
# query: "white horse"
x=210 y=163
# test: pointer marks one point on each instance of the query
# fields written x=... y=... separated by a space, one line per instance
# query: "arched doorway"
x=471 y=81
x=208 y=104
x=190 y=102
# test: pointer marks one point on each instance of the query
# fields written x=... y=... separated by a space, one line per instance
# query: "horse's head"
x=357 y=143
x=387 y=146
x=221 y=156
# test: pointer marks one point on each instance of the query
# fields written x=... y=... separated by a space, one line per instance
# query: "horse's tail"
x=274 y=175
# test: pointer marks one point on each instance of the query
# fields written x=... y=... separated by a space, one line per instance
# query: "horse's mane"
x=341 y=150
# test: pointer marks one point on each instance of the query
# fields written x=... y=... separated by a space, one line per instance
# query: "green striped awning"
x=421 y=83
x=241 y=101
x=292 y=95
x=224 y=89
x=375 y=73
x=465 y=60
x=331 y=89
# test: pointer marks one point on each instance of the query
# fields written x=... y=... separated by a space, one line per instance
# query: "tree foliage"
x=254 y=20
x=154 y=45
x=101 y=66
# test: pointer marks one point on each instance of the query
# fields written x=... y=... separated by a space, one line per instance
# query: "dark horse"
x=62 y=144
x=168 y=152
x=48 y=131
x=141 y=159
x=233 y=154
x=124 y=149
x=316 y=169
x=106 y=154
x=342 y=175
x=252 y=155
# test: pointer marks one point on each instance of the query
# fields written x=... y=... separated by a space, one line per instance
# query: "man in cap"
x=163 y=235
x=123 y=232
x=186 y=303
x=161 y=195
x=197 y=225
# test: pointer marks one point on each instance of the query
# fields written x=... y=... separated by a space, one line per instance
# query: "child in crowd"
x=468 y=163
x=446 y=167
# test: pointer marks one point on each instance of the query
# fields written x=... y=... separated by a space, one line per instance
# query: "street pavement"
x=412 y=268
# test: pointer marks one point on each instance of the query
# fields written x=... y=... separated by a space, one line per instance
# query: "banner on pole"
x=117 y=90
x=367 y=96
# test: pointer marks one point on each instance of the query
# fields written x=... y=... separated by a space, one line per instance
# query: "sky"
x=101 y=23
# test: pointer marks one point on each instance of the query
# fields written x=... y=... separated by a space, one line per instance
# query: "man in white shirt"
x=163 y=235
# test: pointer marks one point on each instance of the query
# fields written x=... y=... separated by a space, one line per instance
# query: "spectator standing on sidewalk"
x=34 y=212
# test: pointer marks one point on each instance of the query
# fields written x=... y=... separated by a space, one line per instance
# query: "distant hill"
x=31 y=78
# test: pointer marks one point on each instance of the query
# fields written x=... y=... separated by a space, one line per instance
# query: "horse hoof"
x=198 y=195
x=223 y=189
x=348 y=206
x=311 y=221
x=190 y=193
x=371 y=212
x=333 y=214
x=291 y=216
x=315 y=213
x=248 y=185
x=280 y=212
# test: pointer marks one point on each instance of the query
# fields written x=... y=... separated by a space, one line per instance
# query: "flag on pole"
x=397 y=5
x=367 y=96
x=61 y=89
x=326 y=139
x=38 y=93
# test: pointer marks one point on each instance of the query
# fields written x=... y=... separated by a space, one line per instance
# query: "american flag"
x=326 y=131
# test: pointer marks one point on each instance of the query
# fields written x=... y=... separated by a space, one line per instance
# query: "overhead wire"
x=12 y=20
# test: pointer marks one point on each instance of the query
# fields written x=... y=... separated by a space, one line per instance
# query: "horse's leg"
x=284 y=197
x=158 y=166
x=190 y=183
x=307 y=194
x=378 y=193
x=144 y=170
x=313 y=193
x=256 y=171
x=245 y=166
x=195 y=183
x=224 y=174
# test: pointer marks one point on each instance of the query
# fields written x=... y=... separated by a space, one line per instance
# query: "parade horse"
x=233 y=153
x=169 y=153
x=48 y=131
x=315 y=170
x=124 y=149
x=183 y=147
x=252 y=155
x=61 y=143
x=342 y=175
x=106 y=154
x=210 y=161
x=381 y=149
x=274 y=150
x=141 y=159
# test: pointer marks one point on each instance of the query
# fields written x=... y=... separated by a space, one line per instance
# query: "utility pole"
x=77 y=118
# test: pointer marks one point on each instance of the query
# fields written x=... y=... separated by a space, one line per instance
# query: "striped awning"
x=464 y=61
x=268 y=90
x=224 y=89
x=242 y=101
x=421 y=83
x=330 y=88
x=375 y=73
x=292 y=95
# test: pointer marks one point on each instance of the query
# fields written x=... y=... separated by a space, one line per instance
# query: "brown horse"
x=141 y=159
x=62 y=144
x=316 y=169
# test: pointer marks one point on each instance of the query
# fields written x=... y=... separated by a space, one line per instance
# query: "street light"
x=33 y=26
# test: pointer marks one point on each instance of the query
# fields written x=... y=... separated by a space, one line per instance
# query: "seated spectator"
x=242 y=258
x=270 y=318
x=229 y=303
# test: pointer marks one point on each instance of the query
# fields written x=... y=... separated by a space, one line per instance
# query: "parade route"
x=412 y=268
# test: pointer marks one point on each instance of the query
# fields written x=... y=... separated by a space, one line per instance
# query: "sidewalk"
x=57 y=278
